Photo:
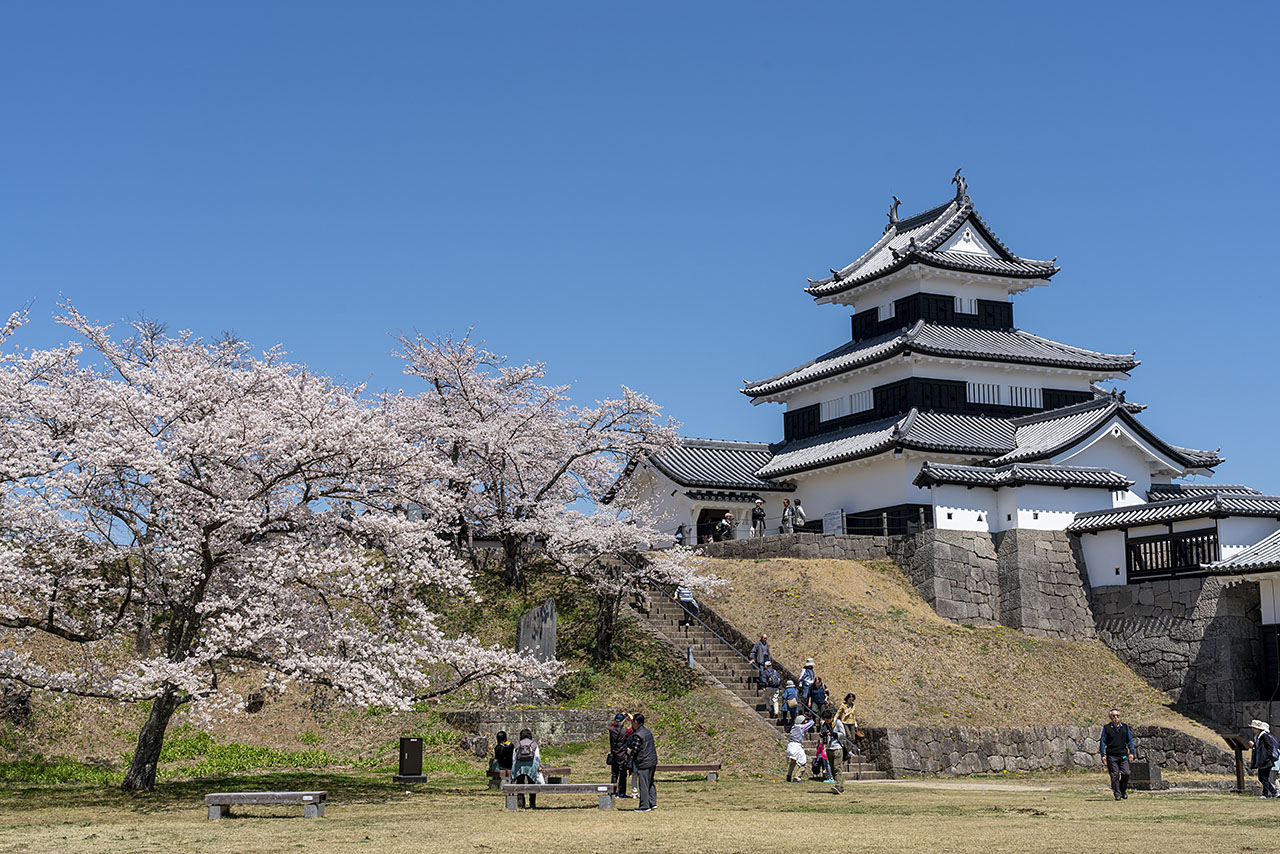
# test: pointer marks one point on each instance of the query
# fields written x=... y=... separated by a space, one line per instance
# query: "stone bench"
x=515 y=792
x=312 y=802
x=552 y=774
x=711 y=769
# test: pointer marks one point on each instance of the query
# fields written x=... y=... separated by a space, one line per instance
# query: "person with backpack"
x=1116 y=747
x=725 y=528
x=644 y=757
x=619 y=732
x=807 y=678
x=526 y=760
x=790 y=704
x=769 y=679
x=1266 y=752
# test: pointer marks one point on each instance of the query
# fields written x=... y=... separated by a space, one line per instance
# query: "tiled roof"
x=926 y=431
x=1214 y=506
x=984 y=345
x=718 y=465
x=1262 y=555
x=917 y=240
x=718 y=495
x=1021 y=474
x=1165 y=491
x=1046 y=434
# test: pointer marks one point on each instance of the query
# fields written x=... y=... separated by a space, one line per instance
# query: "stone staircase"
x=727 y=666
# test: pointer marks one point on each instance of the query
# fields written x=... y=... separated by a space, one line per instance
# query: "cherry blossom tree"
x=251 y=511
x=524 y=455
x=543 y=476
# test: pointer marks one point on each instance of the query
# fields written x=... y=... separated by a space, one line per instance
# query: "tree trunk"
x=142 y=641
x=606 y=627
x=142 y=770
x=512 y=553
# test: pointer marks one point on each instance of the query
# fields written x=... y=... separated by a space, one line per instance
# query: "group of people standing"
x=631 y=750
x=791 y=519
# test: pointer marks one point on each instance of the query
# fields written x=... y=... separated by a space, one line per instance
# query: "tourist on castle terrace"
x=1266 y=752
x=757 y=519
x=788 y=516
x=1116 y=747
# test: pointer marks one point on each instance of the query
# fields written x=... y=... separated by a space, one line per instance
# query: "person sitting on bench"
x=526 y=759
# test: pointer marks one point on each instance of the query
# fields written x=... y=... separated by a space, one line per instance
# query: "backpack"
x=525 y=749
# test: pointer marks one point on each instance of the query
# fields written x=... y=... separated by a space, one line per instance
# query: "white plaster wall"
x=880 y=482
x=1109 y=452
x=962 y=509
x=1269 y=593
x=1237 y=533
x=1103 y=556
x=899 y=368
x=1052 y=508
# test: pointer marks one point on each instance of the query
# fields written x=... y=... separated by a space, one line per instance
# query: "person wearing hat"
x=757 y=519
x=724 y=529
x=1266 y=751
x=807 y=678
x=1116 y=747
x=790 y=703
x=619 y=732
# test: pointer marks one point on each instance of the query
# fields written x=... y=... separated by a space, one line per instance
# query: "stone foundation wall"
x=807 y=545
x=1043 y=584
x=549 y=726
x=956 y=573
x=1196 y=639
x=983 y=750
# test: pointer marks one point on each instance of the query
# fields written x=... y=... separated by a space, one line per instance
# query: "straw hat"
x=1262 y=725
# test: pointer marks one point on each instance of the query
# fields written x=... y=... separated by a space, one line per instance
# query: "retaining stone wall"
x=982 y=750
x=807 y=545
x=956 y=573
x=549 y=726
x=1196 y=639
x=1043 y=584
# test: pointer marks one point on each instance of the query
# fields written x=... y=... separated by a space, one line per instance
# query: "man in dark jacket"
x=644 y=758
x=619 y=732
x=1116 y=747
x=1265 y=753
x=760 y=654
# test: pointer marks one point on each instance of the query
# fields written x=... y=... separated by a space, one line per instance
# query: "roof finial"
x=893 y=210
x=962 y=186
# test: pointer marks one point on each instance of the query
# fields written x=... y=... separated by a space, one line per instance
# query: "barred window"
x=984 y=393
x=1022 y=395
x=863 y=400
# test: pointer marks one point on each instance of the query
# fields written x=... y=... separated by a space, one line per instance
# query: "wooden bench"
x=312 y=802
x=515 y=792
x=711 y=769
x=552 y=773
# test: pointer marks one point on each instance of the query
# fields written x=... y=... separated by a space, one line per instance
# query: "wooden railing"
x=1170 y=555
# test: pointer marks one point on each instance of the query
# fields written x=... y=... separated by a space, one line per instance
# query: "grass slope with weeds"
x=870 y=632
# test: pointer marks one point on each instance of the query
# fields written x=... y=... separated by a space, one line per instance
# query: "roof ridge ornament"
x=893 y=212
x=962 y=186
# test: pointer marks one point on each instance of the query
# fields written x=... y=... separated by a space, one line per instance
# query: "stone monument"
x=537 y=632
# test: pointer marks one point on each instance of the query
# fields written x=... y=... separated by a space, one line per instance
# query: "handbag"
x=792 y=703
x=608 y=759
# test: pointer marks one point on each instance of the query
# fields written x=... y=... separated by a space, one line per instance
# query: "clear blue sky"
x=635 y=193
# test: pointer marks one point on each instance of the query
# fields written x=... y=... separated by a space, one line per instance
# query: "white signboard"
x=833 y=522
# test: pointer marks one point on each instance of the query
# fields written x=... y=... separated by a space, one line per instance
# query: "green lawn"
x=1062 y=813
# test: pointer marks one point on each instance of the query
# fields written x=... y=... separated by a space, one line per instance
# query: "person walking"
x=833 y=736
x=798 y=513
x=644 y=757
x=818 y=696
x=790 y=704
x=807 y=678
x=619 y=732
x=757 y=519
x=770 y=679
x=1116 y=747
x=1266 y=752
x=759 y=655
x=795 y=749
x=788 y=517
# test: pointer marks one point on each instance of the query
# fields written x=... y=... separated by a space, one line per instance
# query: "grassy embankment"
x=80 y=742
x=870 y=632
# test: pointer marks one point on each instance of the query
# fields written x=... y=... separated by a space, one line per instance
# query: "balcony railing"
x=1170 y=555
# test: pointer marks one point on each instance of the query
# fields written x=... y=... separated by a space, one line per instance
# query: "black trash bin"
x=410 y=761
